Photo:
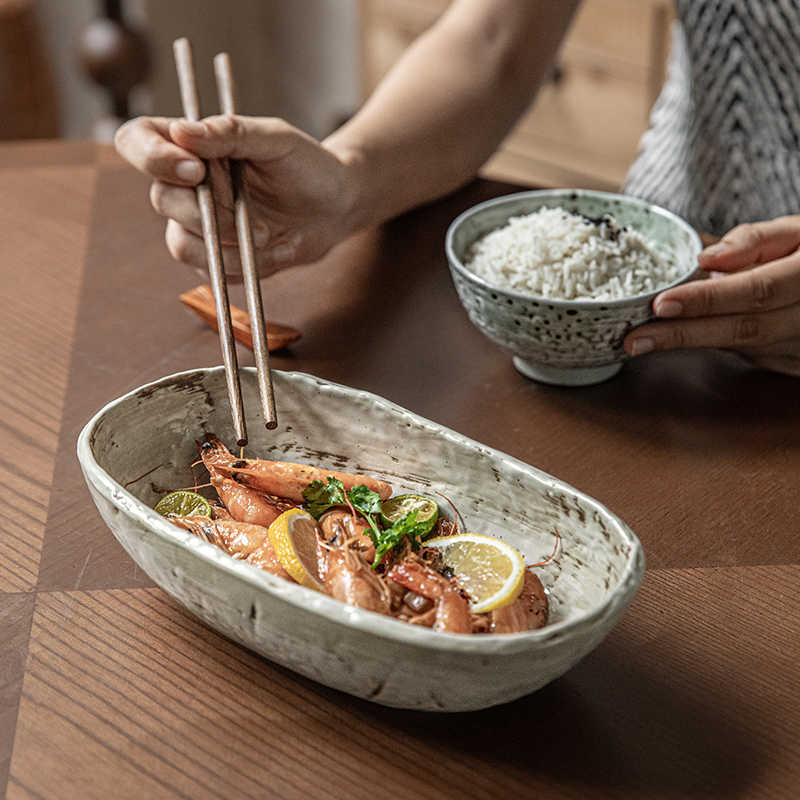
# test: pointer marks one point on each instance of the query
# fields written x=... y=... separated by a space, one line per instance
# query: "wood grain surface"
x=110 y=689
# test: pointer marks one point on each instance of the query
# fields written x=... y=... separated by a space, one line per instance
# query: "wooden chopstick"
x=216 y=269
x=244 y=235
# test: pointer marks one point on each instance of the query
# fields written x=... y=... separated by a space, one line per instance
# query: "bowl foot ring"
x=566 y=376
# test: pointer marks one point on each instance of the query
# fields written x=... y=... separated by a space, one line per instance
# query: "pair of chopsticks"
x=208 y=214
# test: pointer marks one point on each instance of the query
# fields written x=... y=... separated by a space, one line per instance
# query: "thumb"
x=236 y=136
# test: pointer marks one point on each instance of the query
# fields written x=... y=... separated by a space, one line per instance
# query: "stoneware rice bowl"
x=564 y=342
x=592 y=579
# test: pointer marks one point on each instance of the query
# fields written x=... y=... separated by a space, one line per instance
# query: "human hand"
x=750 y=303
x=300 y=193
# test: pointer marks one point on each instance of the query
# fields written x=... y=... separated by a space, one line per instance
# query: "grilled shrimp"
x=349 y=578
x=248 y=505
x=218 y=511
x=527 y=613
x=278 y=478
x=338 y=526
x=451 y=610
x=241 y=540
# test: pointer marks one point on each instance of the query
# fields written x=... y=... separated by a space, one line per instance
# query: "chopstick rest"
x=201 y=301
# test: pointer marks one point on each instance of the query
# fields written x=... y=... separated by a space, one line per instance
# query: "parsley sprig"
x=319 y=497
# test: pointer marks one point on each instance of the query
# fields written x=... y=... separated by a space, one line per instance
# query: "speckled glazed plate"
x=153 y=429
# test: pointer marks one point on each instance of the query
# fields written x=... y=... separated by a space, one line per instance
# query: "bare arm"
x=447 y=104
x=427 y=128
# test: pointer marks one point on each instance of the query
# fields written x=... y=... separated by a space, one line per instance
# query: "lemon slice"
x=294 y=539
x=397 y=507
x=183 y=503
x=488 y=569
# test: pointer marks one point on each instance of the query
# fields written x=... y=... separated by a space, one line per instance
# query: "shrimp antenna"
x=552 y=555
x=457 y=513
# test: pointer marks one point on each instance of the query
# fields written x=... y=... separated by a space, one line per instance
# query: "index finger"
x=145 y=142
x=761 y=288
x=753 y=243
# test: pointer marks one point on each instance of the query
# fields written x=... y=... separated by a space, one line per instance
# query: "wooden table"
x=109 y=689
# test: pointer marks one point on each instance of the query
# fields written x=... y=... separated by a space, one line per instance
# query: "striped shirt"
x=723 y=146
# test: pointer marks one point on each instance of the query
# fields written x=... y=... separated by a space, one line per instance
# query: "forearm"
x=448 y=103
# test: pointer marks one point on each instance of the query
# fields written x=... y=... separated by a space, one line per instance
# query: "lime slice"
x=183 y=504
x=293 y=536
x=396 y=508
x=491 y=571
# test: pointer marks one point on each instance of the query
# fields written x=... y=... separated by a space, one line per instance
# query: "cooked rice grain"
x=553 y=253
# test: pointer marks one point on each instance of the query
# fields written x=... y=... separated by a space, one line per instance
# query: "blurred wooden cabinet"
x=27 y=91
x=584 y=126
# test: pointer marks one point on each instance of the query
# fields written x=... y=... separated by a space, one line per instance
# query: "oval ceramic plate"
x=154 y=429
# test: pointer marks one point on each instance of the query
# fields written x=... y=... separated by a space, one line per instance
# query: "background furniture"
x=584 y=127
x=27 y=93
x=115 y=56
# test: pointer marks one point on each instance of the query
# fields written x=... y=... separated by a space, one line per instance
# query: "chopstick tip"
x=271 y=424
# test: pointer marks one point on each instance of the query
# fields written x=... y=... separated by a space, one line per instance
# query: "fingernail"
x=714 y=250
x=192 y=128
x=281 y=253
x=668 y=308
x=641 y=346
x=189 y=170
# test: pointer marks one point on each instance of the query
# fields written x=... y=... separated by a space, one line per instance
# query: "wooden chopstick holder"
x=201 y=301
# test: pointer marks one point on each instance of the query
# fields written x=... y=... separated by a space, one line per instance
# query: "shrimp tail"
x=241 y=540
x=202 y=527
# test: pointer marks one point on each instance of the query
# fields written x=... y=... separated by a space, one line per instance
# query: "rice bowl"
x=567 y=342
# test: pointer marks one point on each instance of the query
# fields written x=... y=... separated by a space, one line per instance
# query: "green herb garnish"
x=391 y=537
x=367 y=503
x=365 y=500
x=319 y=497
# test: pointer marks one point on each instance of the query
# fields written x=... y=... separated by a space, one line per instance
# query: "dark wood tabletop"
x=110 y=689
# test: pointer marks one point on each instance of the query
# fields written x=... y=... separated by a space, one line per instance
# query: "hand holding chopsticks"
x=205 y=199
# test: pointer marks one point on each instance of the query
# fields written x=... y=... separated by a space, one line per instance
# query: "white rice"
x=554 y=253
